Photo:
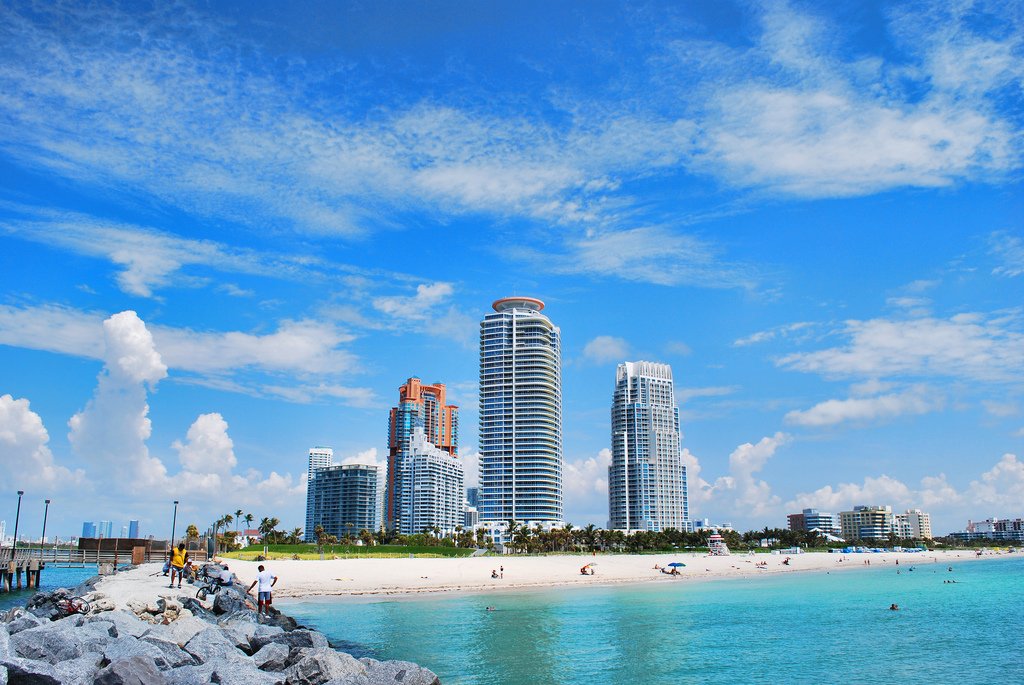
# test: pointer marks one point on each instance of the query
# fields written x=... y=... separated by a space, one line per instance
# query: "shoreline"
x=396 y=579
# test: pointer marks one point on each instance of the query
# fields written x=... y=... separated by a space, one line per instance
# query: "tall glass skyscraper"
x=520 y=416
x=646 y=478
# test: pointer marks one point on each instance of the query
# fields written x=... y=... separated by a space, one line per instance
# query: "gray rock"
x=174 y=655
x=53 y=646
x=125 y=624
x=295 y=639
x=238 y=670
x=240 y=632
x=322 y=664
x=182 y=630
x=272 y=657
x=31 y=672
x=211 y=645
x=392 y=672
x=24 y=622
x=136 y=670
x=5 y=645
x=231 y=601
x=80 y=671
x=197 y=608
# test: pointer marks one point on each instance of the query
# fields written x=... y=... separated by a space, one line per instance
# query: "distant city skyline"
x=229 y=231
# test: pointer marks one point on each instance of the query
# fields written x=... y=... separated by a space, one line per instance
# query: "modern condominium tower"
x=424 y=407
x=319 y=458
x=520 y=416
x=646 y=478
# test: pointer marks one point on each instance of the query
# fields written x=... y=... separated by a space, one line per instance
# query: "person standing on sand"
x=178 y=558
x=266 y=580
x=501 y=570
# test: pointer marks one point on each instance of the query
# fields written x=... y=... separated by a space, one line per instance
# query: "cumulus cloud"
x=25 y=457
x=831 y=412
x=585 y=485
x=997 y=491
x=208 y=447
x=367 y=456
x=111 y=432
x=415 y=307
x=772 y=333
x=606 y=349
x=740 y=494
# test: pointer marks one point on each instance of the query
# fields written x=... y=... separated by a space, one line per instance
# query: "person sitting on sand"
x=494 y=573
x=674 y=572
x=656 y=567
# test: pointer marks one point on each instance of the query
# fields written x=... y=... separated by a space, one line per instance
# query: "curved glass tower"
x=520 y=416
x=646 y=477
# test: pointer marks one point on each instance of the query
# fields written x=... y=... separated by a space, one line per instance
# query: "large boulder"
x=182 y=630
x=210 y=645
x=43 y=644
x=230 y=600
x=174 y=655
x=398 y=672
x=294 y=639
x=31 y=672
x=238 y=670
x=80 y=671
x=125 y=624
x=23 y=622
x=321 y=665
x=272 y=657
x=135 y=670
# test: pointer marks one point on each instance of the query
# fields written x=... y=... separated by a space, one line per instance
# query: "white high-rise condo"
x=319 y=458
x=520 y=417
x=646 y=478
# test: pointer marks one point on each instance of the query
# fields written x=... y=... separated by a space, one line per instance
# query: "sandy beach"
x=357 y=577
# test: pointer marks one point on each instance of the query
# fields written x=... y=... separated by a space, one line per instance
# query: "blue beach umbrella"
x=677 y=563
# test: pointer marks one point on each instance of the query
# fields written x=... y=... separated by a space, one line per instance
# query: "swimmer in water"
x=894 y=607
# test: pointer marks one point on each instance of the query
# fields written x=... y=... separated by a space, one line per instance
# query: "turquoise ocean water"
x=790 y=628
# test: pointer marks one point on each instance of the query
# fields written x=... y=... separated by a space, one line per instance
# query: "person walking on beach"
x=266 y=580
x=501 y=570
x=178 y=558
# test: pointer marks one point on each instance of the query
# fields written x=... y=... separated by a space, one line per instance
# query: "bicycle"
x=72 y=605
x=208 y=586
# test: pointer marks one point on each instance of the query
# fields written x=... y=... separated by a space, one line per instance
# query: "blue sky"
x=230 y=231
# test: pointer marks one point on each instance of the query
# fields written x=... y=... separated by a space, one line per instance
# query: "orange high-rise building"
x=422 y=406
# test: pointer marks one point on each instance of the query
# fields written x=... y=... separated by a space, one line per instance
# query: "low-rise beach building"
x=866 y=522
x=913 y=524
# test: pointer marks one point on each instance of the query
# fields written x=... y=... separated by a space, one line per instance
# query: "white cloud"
x=826 y=127
x=679 y=347
x=772 y=333
x=111 y=432
x=25 y=457
x=739 y=495
x=209 y=448
x=606 y=349
x=1000 y=409
x=656 y=254
x=874 y=490
x=368 y=457
x=684 y=395
x=965 y=346
x=297 y=349
x=830 y=412
x=585 y=484
x=416 y=307
x=1009 y=249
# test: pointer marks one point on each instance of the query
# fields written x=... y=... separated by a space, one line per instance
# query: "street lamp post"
x=174 y=522
x=17 y=517
x=42 y=539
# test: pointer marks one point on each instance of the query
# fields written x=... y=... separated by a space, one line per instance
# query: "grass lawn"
x=308 y=551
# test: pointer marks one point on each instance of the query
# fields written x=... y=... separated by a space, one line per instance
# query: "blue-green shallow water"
x=791 y=628
x=52 y=578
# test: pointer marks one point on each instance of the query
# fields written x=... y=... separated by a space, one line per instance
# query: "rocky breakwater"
x=178 y=640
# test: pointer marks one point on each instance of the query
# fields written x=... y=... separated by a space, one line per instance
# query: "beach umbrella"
x=593 y=563
x=677 y=563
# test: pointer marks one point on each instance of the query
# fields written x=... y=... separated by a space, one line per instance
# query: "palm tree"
x=238 y=518
x=192 y=533
x=295 y=536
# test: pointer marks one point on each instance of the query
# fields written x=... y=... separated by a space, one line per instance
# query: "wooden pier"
x=23 y=569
